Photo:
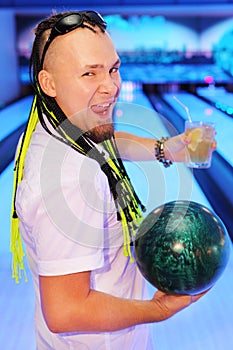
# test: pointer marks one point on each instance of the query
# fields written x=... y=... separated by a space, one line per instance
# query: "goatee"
x=101 y=133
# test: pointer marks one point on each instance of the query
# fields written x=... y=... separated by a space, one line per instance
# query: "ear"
x=47 y=83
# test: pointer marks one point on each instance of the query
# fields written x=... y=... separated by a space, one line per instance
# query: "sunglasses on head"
x=69 y=22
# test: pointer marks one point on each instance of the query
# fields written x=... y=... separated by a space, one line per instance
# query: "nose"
x=110 y=85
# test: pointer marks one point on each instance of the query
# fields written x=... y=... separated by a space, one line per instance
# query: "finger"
x=214 y=145
x=185 y=139
x=159 y=293
x=196 y=297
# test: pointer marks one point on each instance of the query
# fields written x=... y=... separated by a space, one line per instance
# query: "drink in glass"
x=199 y=150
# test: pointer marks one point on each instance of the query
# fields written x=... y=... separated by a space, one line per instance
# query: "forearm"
x=101 y=312
x=134 y=148
x=69 y=305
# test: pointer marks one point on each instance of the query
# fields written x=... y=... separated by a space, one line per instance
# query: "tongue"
x=99 y=109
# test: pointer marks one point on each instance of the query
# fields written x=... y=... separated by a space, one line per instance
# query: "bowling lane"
x=16 y=300
x=13 y=119
x=14 y=116
x=201 y=110
x=219 y=96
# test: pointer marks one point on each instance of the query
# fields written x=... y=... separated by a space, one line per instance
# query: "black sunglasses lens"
x=74 y=20
x=66 y=24
x=96 y=17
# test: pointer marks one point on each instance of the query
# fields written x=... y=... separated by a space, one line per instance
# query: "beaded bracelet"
x=159 y=152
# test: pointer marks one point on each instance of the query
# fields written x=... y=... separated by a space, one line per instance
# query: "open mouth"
x=102 y=109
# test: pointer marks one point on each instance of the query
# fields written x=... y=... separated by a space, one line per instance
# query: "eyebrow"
x=95 y=66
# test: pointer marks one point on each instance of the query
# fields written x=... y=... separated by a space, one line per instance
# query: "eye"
x=114 y=70
x=88 y=74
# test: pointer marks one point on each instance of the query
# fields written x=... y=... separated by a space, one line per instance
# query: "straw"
x=185 y=107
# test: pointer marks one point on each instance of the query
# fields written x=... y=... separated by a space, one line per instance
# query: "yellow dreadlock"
x=128 y=227
x=16 y=246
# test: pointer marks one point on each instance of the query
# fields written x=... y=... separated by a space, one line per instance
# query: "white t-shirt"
x=68 y=223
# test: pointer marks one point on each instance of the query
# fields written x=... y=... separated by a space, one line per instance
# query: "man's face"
x=84 y=79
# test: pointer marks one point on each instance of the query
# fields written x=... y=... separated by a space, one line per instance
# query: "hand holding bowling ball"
x=182 y=247
x=167 y=305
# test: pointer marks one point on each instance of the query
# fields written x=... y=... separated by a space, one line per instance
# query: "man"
x=77 y=208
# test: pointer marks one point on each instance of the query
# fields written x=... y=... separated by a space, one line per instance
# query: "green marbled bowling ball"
x=182 y=248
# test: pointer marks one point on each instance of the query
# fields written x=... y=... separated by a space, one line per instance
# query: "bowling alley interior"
x=176 y=65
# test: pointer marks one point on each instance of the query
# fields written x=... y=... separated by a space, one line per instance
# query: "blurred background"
x=168 y=48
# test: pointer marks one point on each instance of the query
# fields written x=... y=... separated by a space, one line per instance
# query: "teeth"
x=104 y=105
